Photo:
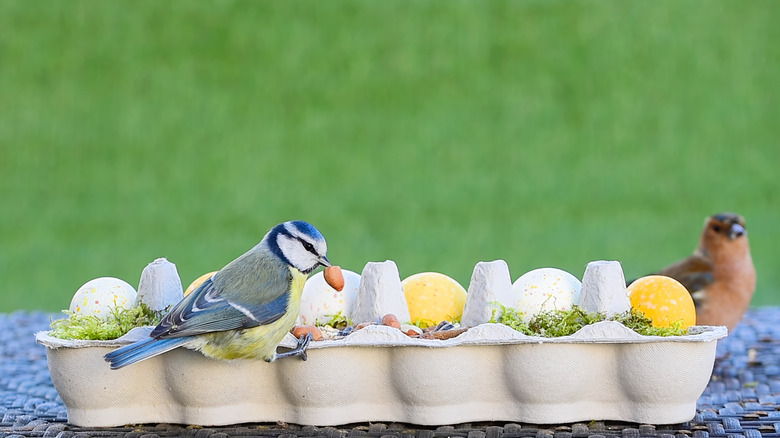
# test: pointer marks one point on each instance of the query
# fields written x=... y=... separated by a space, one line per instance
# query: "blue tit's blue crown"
x=307 y=229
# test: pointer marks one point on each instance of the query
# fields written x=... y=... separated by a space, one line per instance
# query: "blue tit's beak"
x=324 y=261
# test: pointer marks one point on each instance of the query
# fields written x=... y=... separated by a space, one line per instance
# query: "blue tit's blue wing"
x=224 y=304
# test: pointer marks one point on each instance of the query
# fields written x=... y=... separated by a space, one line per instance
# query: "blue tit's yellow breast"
x=258 y=342
x=294 y=303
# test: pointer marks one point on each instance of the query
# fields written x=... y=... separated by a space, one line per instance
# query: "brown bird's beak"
x=736 y=230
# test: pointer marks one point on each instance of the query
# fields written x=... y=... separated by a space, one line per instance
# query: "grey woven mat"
x=742 y=399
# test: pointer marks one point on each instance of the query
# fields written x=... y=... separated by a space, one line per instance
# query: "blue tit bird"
x=246 y=308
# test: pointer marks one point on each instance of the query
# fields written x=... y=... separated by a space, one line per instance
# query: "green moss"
x=119 y=322
x=510 y=317
x=424 y=323
x=337 y=321
x=563 y=323
x=638 y=322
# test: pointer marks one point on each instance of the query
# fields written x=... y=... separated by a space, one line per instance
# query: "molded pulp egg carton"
x=491 y=372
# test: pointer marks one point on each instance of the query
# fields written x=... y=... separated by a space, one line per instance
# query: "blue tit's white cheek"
x=320 y=302
x=99 y=296
x=545 y=290
x=287 y=244
x=296 y=254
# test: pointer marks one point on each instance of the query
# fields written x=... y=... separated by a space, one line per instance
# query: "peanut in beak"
x=334 y=277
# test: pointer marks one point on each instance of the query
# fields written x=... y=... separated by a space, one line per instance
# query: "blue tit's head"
x=299 y=244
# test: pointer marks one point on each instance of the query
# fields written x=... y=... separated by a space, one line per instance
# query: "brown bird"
x=719 y=274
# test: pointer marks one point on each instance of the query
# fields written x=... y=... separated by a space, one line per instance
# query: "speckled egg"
x=97 y=297
x=544 y=290
x=433 y=297
x=320 y=302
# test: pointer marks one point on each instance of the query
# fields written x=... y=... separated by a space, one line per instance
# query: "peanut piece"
x=334 y=277
x=442 y=335
x=301 y=330
x=391 y=320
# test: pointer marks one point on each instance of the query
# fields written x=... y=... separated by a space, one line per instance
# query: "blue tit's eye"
x=308 y=246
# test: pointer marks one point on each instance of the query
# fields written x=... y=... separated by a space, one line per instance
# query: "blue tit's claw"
x=346 y=331
x=303 y=344
x=300 y=348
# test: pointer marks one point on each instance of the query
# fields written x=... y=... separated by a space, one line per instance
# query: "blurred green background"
x=435 y=134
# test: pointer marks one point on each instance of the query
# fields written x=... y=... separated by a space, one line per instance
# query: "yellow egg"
x=663 y=299
x=198 y=281
x=433 y=297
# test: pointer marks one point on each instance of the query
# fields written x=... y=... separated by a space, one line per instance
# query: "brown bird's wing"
x=694 y=272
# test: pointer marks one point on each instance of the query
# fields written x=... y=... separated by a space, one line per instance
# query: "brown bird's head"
x=721 y=231
x=730 y=225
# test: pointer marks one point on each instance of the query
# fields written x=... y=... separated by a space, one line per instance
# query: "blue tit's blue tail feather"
x=141 y=350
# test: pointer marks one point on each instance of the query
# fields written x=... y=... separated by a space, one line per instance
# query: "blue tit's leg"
x=299 y=350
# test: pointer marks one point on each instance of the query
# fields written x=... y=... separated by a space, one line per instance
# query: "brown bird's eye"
x=716 y=228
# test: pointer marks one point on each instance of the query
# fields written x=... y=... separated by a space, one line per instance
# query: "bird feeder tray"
x=491 y=372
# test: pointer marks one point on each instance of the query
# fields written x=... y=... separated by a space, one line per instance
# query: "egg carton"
x=490 y=372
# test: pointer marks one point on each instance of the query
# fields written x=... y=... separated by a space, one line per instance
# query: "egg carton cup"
x=491 y=372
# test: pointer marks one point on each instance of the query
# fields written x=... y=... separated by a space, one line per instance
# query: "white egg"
x=97 y=297
x=320 y=302
x=544 y=290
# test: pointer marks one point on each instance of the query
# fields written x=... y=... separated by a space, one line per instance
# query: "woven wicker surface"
x=742 y=399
